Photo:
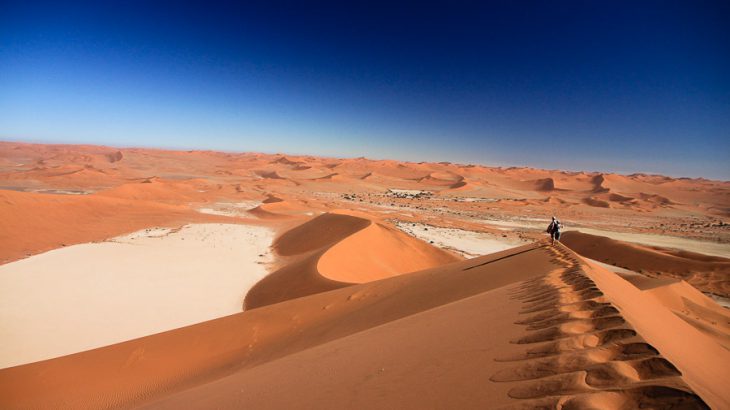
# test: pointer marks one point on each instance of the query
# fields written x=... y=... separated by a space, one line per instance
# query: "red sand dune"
x=707 y=273
x=537 y=297
x=335 y=250
x=357 y=314
x=376 y=252
x=33 y=223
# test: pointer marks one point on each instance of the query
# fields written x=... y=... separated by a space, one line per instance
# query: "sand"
x=356 y=313
x=525 y=327
x=338 y=249
x=701 y=359
x=467 y=243
x=86 y=296
x=234 y=209
x=665 y=241
x=707 y=273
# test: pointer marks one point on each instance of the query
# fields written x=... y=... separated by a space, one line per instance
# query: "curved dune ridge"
x=324 y=230
x=304 y=244
x=707 y=273
x=598 y=203
x=280 y=207
x=529 y=326
x=377 y=252
x=336 y=249
x=447 y=179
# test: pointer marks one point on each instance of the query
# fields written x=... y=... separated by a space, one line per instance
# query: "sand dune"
x=33 y=223
x=304 y=244
x=334 y=250
x=668 y=243
x=355 y=313
x=466 y=243
x=545 y=184
x=377 y=252
x=707 y=273
x=535 y=305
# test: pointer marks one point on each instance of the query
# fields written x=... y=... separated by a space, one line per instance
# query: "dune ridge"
x=567 y=315
x=338 y=249
x=707 y=273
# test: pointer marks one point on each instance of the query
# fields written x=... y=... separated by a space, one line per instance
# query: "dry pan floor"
x=97 y=294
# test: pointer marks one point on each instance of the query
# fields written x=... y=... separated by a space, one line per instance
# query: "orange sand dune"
x=357 y=314
x=377 y=252
x=274 y=207
x=158 y=189
x=436 y=337
x=707 y=273
x=334 y=250
x=33 y=223
x=322 y=231
x=695 y=308
x=304 y=244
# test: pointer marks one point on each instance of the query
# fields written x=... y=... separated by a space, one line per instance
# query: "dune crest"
x=377 y=252
x=707 y=273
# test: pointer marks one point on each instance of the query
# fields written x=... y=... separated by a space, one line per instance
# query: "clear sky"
x=626 y=86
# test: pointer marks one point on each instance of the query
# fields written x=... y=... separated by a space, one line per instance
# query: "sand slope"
x=377 y=252
x=523 y=327
x=32 y=223
x=707 y=273
x=337 y=249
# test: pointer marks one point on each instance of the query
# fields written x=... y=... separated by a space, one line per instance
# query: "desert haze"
x=148 y=278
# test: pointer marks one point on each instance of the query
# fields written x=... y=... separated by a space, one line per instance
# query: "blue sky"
x=626 y=86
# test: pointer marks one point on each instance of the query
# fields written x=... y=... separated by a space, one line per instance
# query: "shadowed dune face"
x=335 y=250
x=707 y=273
x=545 y=184
x=304 y=244
x=324 y=230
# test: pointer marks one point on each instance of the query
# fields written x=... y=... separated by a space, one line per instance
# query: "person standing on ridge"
x=554 y=230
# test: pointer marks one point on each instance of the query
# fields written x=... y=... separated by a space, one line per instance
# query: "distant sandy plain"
x=198 y=279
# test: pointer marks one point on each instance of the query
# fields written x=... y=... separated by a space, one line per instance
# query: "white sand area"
x=90 y=295
x=234 y=209
x=468 y=243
